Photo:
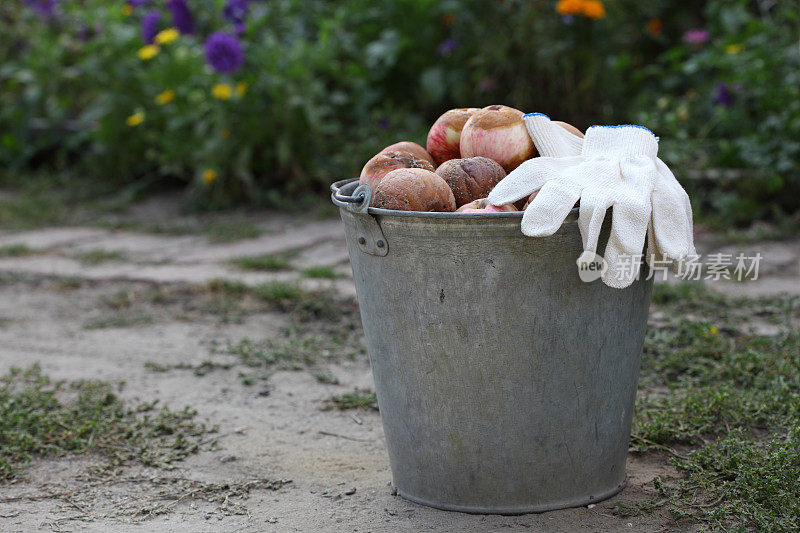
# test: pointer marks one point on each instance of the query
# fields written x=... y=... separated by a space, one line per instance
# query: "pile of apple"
x=468 y=152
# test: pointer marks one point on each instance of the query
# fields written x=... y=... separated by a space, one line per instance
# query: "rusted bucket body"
x=505 y=383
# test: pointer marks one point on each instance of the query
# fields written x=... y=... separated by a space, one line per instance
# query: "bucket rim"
x=338 y=186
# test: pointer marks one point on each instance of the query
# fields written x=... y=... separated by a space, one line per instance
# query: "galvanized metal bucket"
x=505 y=383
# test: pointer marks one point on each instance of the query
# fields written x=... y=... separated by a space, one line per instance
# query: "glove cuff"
x=619 y=141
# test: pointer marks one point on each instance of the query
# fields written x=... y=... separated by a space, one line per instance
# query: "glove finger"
x=672 y=217
x=594 y=205
x=529 y=177
x=630 y=220
x=550 y=139
x=547 y=211
x=623 y=253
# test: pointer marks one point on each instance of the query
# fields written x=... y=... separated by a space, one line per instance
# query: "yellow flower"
x=166 y=36
x=223 y=91
x=225 y=133
x=241 y=88
x=165 y=97
x=713 y=330
x=209 y=176
x=135 y=119
x=594 y=9
x=733 y=49
x=127 y=10
x=569 y=7
x=148 y=52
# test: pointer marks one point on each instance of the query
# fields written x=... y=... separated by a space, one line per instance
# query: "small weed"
x=16 y=250
x=232 y=230
x=268 y=263
x=322 y=272
x=327 y=378
x=199 y=369
x=121 y=320
x=67 y=284
x=353 y=400
x=41 y=417
x=95 y=257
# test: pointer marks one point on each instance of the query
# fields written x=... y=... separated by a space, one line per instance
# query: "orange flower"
x=594 y=9
x=569 y=7
x=654 y=27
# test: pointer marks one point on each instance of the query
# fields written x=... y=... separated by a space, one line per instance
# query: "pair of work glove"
x=613 y=166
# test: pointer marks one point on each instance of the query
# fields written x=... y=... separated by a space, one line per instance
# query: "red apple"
x=444 y=137
x=384 y=162
x=483 y=206
x=413 y=148
x=497 y=132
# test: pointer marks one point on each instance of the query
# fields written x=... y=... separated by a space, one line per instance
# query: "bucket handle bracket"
x=369 y=236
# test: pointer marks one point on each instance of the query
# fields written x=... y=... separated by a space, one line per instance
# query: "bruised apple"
x=497 y=132
x=483 y=206
x=444 y=137
x=413 y=148
x=471 y=178
x=383 y=163
x=413 y=189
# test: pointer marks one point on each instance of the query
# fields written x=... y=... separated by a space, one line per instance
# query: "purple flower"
x=84 y=32
x=696 y=36
x=139 y=3
x=567 y=19
x=723 y=96
x=181 y=16
x=150 y=26
x=236 y=11
x=224 y=52
x=446 y=47
x=44 y=8
x=383 y=123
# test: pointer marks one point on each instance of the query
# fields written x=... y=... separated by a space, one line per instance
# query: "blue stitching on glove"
x=534 y=114
x=623 y=126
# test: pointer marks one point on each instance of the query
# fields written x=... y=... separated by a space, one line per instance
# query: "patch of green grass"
x=268 y=263
x=321 y=272
x=95 y=257
x=16 y=250
x=232 y=230
x=294 y=350
x=29 y=209
x=39 y=417
x=710 y=383
x=353 y=400
x=47 y=198
x=287 y=297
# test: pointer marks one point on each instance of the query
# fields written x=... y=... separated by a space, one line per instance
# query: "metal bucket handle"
x=370 y=237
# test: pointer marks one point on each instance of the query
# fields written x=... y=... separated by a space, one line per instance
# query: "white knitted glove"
x=617 y=167
x=550 y=139
x=669 y=235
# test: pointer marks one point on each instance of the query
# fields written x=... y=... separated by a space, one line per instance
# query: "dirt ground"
x=334 y=462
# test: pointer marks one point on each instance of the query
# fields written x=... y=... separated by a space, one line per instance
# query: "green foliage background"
x=330 y=83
